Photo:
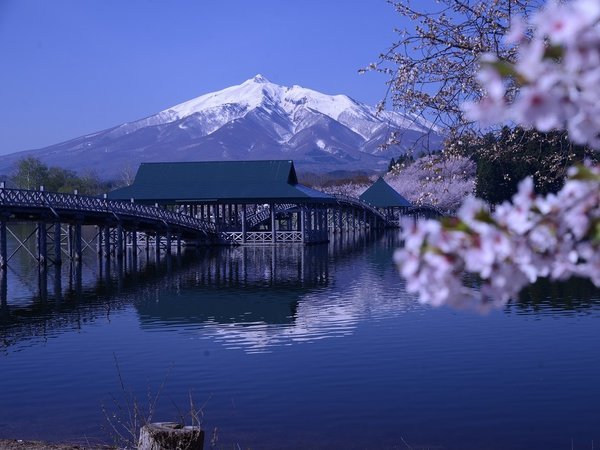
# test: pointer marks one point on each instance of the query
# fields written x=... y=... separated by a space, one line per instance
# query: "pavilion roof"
x=382 y=195
x=222 y=181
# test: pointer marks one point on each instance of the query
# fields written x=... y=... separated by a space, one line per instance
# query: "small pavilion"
x=251 y=202
x=387 y=200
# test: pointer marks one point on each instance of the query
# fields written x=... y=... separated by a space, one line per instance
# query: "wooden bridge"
x=59 y=218
x=175 y=204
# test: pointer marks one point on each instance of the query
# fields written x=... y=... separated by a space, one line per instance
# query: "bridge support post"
x=42 y=247
x=134 y=248
x=57 y=244
x=78 y=247
x=3 y=253
x=168 y=243
x=179 y=243
x=273 y=228
x=244 y=223
x=99 y=237
x=107 y=241
x=303 y=225
x=70 y=241
x=157 y=245
x=119 y=249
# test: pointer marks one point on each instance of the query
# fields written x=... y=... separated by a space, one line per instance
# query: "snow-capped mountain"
x=254 y=120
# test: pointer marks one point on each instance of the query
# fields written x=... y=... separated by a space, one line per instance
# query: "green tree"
x=505 y=158
x=30 y=173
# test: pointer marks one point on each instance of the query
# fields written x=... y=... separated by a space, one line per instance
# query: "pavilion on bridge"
x=387 y=200
x=251 y=202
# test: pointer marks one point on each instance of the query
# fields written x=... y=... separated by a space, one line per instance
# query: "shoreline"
x=22 y=444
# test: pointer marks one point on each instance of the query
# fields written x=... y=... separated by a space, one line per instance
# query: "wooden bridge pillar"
x=168 y=239
x=3 y=253
x=157 y=245
x=303 y=225
x=57 y=244
x=42 y=245
x=119 y=242
x=273 y=227
x=243 y=223
x=78 y=246
x=99 y=237
x=107 y=241
x=134 y=246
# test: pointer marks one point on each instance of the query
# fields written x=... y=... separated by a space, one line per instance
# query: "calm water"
x=296 y=348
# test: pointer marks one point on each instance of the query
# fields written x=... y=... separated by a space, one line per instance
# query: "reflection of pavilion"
x=255 y=296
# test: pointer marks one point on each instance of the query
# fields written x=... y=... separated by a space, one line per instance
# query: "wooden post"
x=3 y=253
x=157 y=245
x=107 y=241
x=244 y=223
x=168 y=241
x=178 y=243
x=99 y=248
x=70 y=248
x=273 y=230
x=166 y=435
x=42 y=245
x=78 y=247
x=57 y=249
x=134 y=247
x=303 y=225
x=119 y=242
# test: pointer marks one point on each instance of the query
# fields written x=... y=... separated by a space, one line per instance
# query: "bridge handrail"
x=357 y=202
x=84 y=203
x=428 y=206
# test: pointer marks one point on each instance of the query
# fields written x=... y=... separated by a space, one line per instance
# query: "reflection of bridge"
x=276 y=276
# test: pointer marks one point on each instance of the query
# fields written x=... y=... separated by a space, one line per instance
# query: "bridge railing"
x=360 y=204
x=81 y=203
x=426 y=207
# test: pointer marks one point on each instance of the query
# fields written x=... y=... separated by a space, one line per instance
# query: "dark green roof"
x=225 y=181
x=382 y=195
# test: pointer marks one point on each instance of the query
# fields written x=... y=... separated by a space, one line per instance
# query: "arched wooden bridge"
x=59 y=219
x=116 y=222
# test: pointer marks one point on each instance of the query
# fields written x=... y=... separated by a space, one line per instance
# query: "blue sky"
x=71 y=67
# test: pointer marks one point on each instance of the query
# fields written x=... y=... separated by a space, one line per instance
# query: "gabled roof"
x=225 y=181
x=382 y=195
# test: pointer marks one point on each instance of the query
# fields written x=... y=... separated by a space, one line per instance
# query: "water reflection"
x=245 y=297
x=575 y=295
x=241 y=285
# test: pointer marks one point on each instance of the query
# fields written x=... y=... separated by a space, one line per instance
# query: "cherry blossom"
x=555 y=236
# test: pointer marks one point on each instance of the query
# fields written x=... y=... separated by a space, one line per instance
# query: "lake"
x=294 y=347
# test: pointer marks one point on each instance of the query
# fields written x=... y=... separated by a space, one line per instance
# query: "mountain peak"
x=258 y=78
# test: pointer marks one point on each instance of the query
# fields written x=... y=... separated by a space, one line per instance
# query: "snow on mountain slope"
x=258 y=92
x=254 y=120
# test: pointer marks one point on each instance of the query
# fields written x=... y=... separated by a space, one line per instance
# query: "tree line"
x=31 y=173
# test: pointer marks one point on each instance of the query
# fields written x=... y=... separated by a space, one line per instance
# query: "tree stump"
x=170 y=436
